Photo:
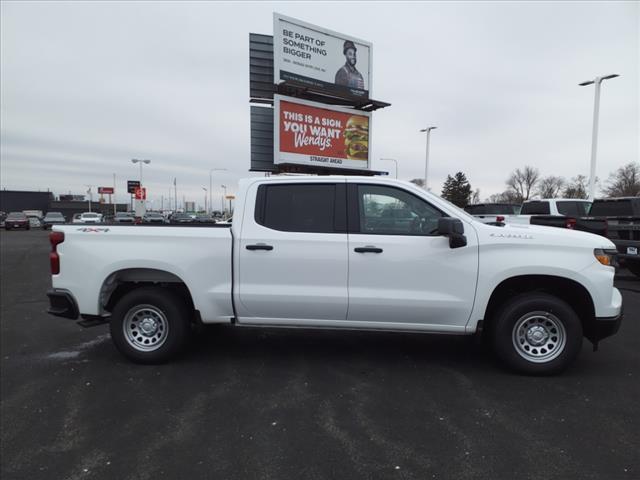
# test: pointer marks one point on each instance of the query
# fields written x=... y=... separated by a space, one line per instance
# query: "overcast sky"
x=86 y=86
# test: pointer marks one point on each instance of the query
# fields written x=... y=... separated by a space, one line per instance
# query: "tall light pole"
x=594 y=136
x=135 y=160
x=394 y=161
x=211 y=184
x=205 y=199
x=426 y=160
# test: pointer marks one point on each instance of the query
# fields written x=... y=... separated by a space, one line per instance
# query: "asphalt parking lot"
x=282 y=404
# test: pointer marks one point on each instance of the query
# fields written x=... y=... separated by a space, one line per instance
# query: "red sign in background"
x=103 y=190
x=314 y=131
x=141 y=193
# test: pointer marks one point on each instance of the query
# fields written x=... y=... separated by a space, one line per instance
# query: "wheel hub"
x=145 y=327
x=148 y=327
x=537 y=335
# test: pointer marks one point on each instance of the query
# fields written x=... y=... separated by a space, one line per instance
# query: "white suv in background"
x=90 y=217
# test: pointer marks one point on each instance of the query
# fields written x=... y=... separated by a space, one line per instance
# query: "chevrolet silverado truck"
x=333 y=252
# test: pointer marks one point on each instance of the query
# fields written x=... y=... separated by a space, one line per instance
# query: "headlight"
x=606 y=256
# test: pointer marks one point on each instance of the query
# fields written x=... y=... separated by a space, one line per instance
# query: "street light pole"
x=223 y=197
x=135 y=160
x=594 y=135
x=426 y=160
x=211 y=185
x=205 y=200
x=394 y=161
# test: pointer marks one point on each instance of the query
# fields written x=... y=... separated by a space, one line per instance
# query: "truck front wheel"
x=537 y=334
x=150 y=325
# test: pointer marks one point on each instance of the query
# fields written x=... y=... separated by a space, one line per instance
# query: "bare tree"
x=577 y=188
x=550 y=187
x=522 y=182
x=475 y=196
x=624 y=182
x=508 y=196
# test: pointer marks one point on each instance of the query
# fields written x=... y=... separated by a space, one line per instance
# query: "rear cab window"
x=298 y=207
x=535 y=208
x=573 y=208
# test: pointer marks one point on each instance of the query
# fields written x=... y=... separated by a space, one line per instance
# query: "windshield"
x=90 y=215
x=16 y=216
x=51 y=215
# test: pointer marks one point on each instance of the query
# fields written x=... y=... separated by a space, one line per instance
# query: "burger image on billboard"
x=356 y=138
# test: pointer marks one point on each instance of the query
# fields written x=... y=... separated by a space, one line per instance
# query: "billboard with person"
x=320 y=59
x=310 y=133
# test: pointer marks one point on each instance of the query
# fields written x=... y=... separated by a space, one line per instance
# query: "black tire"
x=634 y=267
x=157 y=306
x=549 y=337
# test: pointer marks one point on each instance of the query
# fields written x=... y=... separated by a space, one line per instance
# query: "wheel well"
x=124 y=281
x=570 y=291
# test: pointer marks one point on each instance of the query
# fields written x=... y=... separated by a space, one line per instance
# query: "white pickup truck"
x=551 y=207
x=343 y=253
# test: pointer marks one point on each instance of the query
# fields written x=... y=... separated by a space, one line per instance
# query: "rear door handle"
x=367 y=250
x=260 y=246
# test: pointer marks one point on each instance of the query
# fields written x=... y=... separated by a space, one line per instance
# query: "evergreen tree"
x=457 y=190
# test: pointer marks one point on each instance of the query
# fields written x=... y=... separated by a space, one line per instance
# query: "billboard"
x=310 y=133
x=103 y=190
x=132 y=185
x=318 y=58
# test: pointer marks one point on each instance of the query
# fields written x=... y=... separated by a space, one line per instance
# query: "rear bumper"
x=62 y=304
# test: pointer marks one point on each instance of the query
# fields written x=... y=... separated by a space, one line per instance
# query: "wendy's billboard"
x=310 y=133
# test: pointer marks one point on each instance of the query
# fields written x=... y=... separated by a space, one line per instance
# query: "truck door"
x=400 y=270
x=293 y=257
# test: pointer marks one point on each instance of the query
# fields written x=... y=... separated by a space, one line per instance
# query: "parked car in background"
x=562 y=207
x=124 y=217
x=17 y=220
x=3 y=216
x=53 y=218
x=153 y=217
x=623 y=228
x=177 y=218
x=204 y=219
x=493 y=212
x=34 y=222
x=90 y=217
x=76 y=218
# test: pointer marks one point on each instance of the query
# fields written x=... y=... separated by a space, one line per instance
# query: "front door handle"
x=260 y=246
x=367 y=250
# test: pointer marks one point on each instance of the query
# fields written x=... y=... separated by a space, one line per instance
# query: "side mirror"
x=454 y=229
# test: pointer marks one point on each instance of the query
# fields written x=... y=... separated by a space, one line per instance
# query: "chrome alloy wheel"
x=539 y=337
x=145 y=328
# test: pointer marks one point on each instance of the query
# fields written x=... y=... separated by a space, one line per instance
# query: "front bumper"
x=62 y=304
x=603 y=327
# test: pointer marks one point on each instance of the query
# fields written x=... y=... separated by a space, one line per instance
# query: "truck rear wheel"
x=150 y=325
x=537 y=334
